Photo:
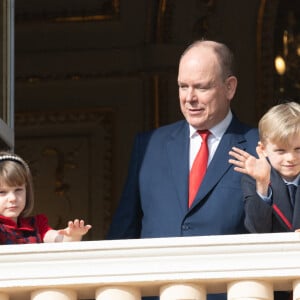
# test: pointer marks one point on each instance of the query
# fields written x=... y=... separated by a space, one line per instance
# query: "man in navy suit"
x=154 y=202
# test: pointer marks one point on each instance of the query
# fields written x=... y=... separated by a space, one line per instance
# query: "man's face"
x=204 y=95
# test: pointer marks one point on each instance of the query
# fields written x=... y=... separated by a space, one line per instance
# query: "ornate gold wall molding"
x=86 y=116
x=265 y=54
x=166 y=18
x=58 y=11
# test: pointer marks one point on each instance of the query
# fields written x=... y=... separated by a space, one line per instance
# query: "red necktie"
x=199 y=167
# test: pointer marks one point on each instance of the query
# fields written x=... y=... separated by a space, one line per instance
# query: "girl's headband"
x=15 y=159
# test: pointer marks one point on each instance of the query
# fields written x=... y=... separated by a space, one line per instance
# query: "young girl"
x=16 y=203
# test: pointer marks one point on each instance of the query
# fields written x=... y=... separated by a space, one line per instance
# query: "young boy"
x=269 y=205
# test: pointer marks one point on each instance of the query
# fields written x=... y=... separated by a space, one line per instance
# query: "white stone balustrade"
x=244 y=266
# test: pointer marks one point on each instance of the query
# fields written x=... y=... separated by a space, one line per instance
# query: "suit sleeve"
x=258 y=213
x=126 y=222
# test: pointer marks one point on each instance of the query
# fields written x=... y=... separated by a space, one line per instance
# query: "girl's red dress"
x=27 y=231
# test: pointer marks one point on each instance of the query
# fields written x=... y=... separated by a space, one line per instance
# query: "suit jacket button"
x=185 y=227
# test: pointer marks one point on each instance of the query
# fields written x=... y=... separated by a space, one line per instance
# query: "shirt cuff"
x=268 y=198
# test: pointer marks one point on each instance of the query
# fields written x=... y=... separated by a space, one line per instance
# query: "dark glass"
x=6 y=73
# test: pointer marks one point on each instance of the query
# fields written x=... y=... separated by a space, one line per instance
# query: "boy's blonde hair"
x=14 y=171
x=280 y=123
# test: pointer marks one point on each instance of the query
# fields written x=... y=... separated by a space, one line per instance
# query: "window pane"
x=6 y=73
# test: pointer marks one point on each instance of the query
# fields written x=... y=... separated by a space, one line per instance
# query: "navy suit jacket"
x=154 y=202
x=262 y=217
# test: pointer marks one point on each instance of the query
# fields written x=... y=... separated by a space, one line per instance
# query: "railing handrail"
x=149 y=263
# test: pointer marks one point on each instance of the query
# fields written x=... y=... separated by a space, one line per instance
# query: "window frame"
x=7 y=75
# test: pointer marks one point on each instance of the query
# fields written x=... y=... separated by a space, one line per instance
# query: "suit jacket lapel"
x=219 y=164
x=296 y=215
x=281 y=197
x=177 y=149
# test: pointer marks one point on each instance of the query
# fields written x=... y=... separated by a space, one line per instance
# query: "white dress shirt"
x=213 y=139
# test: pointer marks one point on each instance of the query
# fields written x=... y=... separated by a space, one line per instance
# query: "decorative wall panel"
x=69 y=153
x=66 y=10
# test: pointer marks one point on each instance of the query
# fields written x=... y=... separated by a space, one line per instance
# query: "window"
x=7 y=74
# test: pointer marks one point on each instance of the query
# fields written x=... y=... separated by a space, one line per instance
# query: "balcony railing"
x=244 y=266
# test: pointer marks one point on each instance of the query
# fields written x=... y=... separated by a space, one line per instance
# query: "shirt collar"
x=295 y=181
x=218 y=130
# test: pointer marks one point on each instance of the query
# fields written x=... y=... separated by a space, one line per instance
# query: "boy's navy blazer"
x=280 y=216
x=155 y=197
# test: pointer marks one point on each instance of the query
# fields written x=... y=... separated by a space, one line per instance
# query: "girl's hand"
x=75 y=230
